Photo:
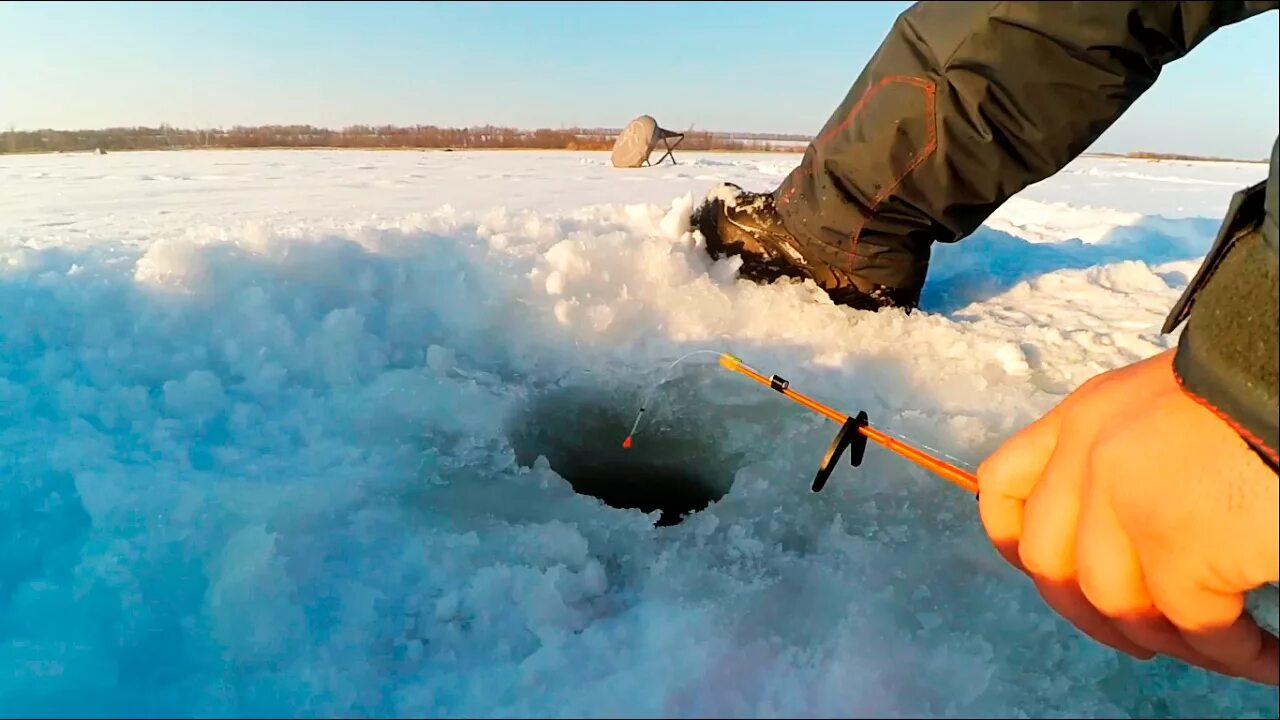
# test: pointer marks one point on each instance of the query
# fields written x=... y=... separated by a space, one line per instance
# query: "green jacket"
x=967 y=103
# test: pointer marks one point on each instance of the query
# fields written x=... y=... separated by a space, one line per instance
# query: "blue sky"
x=746 y=66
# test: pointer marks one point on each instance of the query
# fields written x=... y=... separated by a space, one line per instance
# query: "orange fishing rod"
x=929 y=462
x=853 y=435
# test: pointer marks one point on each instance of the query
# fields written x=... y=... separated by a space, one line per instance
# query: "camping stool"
x=639 y=139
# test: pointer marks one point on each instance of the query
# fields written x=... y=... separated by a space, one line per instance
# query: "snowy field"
x=297 y=433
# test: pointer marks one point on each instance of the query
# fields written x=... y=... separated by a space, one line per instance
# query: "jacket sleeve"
x=965 y=104
x=1227 y=355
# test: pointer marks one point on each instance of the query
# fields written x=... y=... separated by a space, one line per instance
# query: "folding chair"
x=639 y=139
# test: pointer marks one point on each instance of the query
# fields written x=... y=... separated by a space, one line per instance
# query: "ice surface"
x=277 y=432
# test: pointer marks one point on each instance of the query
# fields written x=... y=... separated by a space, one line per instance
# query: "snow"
x=283 y=432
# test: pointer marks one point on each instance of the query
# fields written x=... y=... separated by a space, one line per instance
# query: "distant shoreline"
x=408 y=148
x=425 y=138
x=118 y=139
x=1141 y=155
x=792 y=150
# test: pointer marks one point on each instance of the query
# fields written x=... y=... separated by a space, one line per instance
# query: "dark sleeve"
x=1227 y=355
x=965 y=104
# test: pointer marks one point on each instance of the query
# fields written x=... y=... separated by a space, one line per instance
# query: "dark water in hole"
x=674 y=466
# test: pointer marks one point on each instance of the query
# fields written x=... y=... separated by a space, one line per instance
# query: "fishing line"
x=626 y=444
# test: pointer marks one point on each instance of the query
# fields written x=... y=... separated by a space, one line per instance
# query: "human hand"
x=1142 y=518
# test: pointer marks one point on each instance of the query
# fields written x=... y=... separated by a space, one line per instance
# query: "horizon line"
x=755 y=134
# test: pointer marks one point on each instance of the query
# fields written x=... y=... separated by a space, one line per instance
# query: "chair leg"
x=668 y=153
x=671 y=148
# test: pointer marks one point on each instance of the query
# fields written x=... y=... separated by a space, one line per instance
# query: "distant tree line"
x=357 y=136
x=1142 y=155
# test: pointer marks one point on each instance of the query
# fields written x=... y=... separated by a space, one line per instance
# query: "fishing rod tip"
x=626 y=444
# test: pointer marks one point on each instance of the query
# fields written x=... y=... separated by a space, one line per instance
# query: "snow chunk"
x=198 y=397
x=173 y=265
x=441 y=360
x=250 y=598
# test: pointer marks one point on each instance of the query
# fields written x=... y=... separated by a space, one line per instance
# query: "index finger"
x=1007 y=477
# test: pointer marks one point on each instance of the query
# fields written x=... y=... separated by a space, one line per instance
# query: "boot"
x=738 y=222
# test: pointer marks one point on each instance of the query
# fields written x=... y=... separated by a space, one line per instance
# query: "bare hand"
x=1142 y=518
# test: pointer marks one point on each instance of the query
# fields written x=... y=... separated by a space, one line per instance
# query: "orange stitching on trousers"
x=931 y=144
x=930 y=93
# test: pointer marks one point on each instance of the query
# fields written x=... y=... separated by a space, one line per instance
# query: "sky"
x=740 y=66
